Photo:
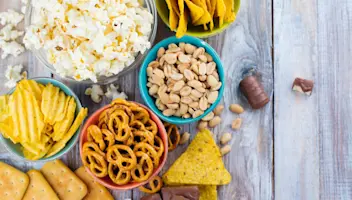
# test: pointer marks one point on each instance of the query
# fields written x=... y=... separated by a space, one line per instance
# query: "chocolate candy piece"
x=254 y=92
x=152 y=197
x=303 y=86
x=180 y=193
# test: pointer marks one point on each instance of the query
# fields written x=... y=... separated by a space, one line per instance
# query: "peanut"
x=236 y=124
x=225 y=138
x=214 y=122
x=236 y=108
x=202 y=125
x=184 y=138
x=225 y=149
x=218 y=110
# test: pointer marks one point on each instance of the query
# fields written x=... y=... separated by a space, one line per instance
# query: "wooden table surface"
x=296 y=147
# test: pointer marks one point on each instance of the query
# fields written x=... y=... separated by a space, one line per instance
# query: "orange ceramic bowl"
x=106 y=181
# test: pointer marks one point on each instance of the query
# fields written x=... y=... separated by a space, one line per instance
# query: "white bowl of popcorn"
x=90 y=40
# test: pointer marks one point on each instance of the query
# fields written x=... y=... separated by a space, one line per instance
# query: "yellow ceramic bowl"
x=196 y=31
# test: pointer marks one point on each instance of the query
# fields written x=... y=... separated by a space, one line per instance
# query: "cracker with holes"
x=64 y=182
x=13 y=182
x=39 y=188
x=95 y=189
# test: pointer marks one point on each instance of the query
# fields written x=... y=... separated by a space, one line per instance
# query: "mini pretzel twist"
x=91 y=146
x=151 y=126
x=144 y=168
x=149 y=150
x=117 y=175
x=108 y=137
x=153 y=186
x=173 y=136
x=95 y=162
x=125 y=161
x=95 y=135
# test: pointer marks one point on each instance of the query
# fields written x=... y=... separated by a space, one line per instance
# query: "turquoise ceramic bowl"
x=150 y=101
x=15 y=149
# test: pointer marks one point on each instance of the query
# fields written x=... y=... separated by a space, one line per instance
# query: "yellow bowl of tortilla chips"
x=198 y=18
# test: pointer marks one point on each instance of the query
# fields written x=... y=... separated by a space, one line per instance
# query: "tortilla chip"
x=208 y=192
x=196 y=12
x=173 y=18
x=230 y=15
x=220 y=11
x=182 y=24
x=200 y=164
x=174 y=6
x=206 y=18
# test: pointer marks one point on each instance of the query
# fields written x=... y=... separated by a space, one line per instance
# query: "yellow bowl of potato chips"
x=40 y=119
x=198 y=18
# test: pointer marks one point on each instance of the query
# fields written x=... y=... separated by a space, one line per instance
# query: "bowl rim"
x=74 y=138
x=150 y=5
x=127 y=186
x=204 y=34
x=164 y=43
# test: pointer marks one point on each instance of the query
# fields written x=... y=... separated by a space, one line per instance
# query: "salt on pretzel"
x=153 y=186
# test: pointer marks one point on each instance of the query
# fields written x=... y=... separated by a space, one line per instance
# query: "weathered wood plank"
x=312 y=134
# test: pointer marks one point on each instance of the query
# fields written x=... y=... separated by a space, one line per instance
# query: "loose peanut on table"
x=214 y=122
x=183 y=80
x=202 y=125
x=225 y=149
x=236 y=108
x=236 y=124
x=184 y=138
x=225 y=138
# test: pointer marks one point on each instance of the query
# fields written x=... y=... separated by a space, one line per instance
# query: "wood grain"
x=313 y=134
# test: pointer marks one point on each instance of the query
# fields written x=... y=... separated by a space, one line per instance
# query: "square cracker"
x=95 y=189
x=65 y=183
x=39 y=188
x=13 y=182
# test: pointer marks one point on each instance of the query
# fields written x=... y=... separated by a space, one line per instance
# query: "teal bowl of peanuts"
x=182 y=80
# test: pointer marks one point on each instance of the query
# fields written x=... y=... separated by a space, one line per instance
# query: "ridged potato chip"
x=63 y=126
x=62 y=143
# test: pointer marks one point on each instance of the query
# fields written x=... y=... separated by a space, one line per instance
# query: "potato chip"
x=29 y=155
x=60 y=128
x=173 y=18
x=182 y=24
x=54 y=100
x=60 y=108
x=6 y=129
x=208 y=192
x=33 y=87
x=20 y=109
x=62 y=143
x=196 y=12
x=4 y=108
x=15 y=117
x=230 y=15
x=38 y=117
x=30 y=148
x=33 y=116
x=200 y=164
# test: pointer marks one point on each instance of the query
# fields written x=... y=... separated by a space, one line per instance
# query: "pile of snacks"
x=39 y=117
x=124 y=145
x=89 y=39
x=200 y=12
x=54 y=181
x=184 y=80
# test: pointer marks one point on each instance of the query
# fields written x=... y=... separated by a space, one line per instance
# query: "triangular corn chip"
x=230 y=13
x=206 y=18
x=173 y=18
x=200 y=164
x=182 y=24
x=174 y=6
x=208 y=192
x=220 y=11
x=196 y=12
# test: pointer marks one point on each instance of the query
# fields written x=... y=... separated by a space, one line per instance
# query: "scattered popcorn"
x=13 y=75
x=9 y=33
x=10 y=17
x=112 y=93
x=95 y=92
x=11 y=48
x=89 y=39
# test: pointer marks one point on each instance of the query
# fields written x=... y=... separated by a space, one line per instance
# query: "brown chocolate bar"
x=152 y=197
x=254 y=92
x=303 y=86
x=180 y=193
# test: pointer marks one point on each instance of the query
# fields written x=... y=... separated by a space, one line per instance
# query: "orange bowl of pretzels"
x=123 y=145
